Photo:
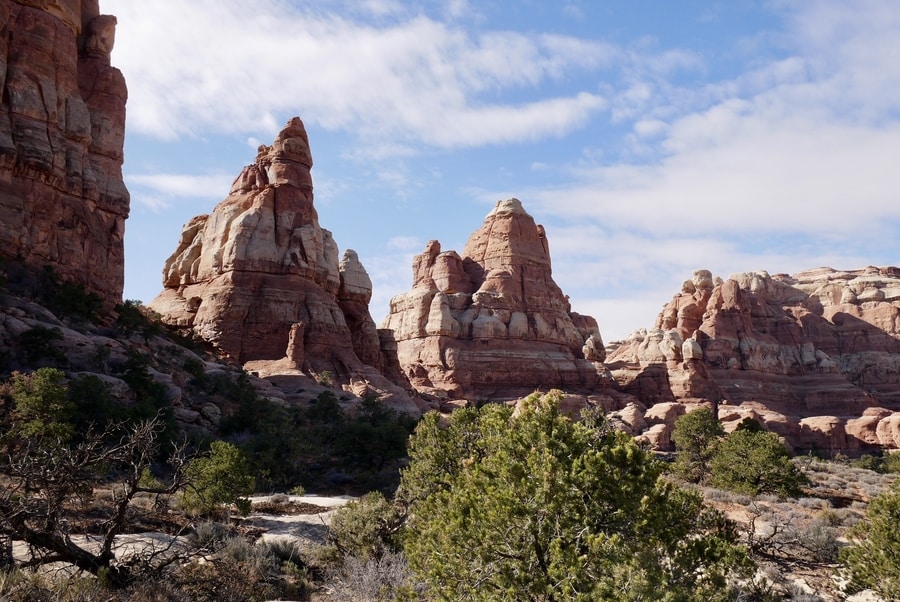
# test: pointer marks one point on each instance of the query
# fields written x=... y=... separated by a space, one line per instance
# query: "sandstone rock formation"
x=63 y=202
x=815 y=356
x=262 y=281
x=491 y=323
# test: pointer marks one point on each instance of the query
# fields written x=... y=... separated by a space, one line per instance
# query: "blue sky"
x=650 y=138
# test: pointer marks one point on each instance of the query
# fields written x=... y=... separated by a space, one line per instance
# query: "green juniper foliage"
x=41 y=406
x=222 y=477
x=530 y=505
x=752 y=462
x=695 y=436
x=874 y=556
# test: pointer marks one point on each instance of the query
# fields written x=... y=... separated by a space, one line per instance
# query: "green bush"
x=890 y=464
x=42 y=409
x=534 y=506
x=365 y=528
x=374 y=435
x=873 y=558
x=290 y=446
x=222 y=477
x=885 y=463
x=753 y=462
x=133 y=318
x=92 y=402
x=695 y=436
x=66 y=298
x=151 y=396
x=37 y=344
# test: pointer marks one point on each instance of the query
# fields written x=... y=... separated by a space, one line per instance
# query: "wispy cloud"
x=208 y=186
x=231 y=66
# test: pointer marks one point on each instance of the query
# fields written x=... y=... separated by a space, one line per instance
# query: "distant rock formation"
x=262 y=281
x=491 y=323
x=63 y=202
x=815 y=356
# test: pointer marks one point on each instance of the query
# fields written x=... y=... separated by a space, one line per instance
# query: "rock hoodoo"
x=491 y=323
x=261 y=280
x=815 y=356
x=63 y=202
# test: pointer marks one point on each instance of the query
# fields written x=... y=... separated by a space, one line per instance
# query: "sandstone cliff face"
x=262 y=281
x=491 y=323
x=816 y=356
x=62 y=123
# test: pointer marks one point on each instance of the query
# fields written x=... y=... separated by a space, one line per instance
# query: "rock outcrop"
x=491 y=323
x=263 y=282
x=63 y=202
x=815 y=356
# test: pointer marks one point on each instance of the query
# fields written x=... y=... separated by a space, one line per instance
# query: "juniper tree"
x=530 y=505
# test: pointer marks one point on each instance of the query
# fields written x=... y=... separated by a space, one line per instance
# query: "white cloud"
x=208 y=186
x=408 y=244
x=804 y=144
x=381 y=8
x=234 y=65
x=391 y=274
x=650 y=128
x=154 y=203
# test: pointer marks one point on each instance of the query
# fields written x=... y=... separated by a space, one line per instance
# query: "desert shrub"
x=284 y=550
x=133 y=318
x=210 y=536
x=92 y=401
x=237 y=574
x=197 y=369
x=366 y=528
x=67 y=298
x=891 y=463
x=813 y=502
x=42 y=410
x=873 y=558
x=755 y=462
x=296 y=579
x=291 y=446
x=374 y=436
x=25 y=586
x=240 y=570
x=151 y=396
x=222 y=477
x=36 y=344
x=385 y=577
x=695 y=436
x=533 y=502
x=866 y=461
x=325 y=378
x=830 y=517
x=820 y=540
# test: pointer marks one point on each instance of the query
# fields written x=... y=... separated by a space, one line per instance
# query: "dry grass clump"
x=838 y=480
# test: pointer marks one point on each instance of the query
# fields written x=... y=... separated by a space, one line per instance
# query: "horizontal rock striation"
x=816 y=355
x=263 y=282
x=491 y=323
x=63 y=202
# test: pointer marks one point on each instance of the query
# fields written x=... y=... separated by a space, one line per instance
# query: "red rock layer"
x=492 y=323
x=244 y=275
x=815 y=355
x=63 y=202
